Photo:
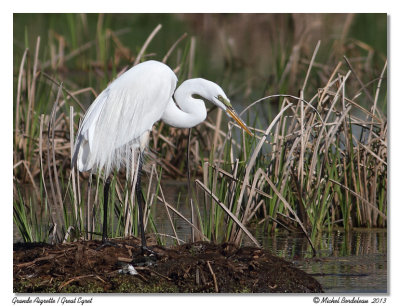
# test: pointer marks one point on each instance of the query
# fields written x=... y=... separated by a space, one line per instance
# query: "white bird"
x=118 y=123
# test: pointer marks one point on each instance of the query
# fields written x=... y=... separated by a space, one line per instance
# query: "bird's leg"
x=140 y=202
x=138 y=191
x=104 y=241
x=105 y=206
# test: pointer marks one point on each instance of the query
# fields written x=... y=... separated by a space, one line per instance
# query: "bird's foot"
x=106 y=243
x=147 y=251
x=148 y=257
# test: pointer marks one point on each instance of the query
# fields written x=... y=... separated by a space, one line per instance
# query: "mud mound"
x=194 y=267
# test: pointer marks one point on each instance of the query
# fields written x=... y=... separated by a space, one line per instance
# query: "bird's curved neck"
x=191 y=110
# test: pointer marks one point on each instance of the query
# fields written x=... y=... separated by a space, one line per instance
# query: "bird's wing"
x=125 y=110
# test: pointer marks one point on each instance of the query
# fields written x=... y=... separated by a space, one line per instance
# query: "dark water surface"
x=355 y=262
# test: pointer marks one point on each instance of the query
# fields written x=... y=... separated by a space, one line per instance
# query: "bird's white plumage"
x=121 y=114
x=120 y=119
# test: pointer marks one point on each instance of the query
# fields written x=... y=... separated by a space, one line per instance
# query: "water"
x=355 y=262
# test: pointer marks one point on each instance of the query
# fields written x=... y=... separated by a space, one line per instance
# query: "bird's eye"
x=224 y=101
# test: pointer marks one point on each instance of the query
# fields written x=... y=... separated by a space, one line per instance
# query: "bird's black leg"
x=138 y=191
x=104 y=241
x=105 y=206
x=140 y=202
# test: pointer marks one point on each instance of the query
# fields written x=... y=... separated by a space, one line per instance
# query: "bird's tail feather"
x=76 y=151
x=81 y=156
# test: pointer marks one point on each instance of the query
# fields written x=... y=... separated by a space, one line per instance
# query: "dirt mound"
x=193 y=267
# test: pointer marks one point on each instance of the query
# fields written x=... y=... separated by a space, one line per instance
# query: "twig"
x=31 y=96
x=152 y=271
x=191 y=56
x=376 y=98
x=27 y=264
x=173 y=47
x=68 y=233
x=311 y=64
x=232 y=177
x=99 y=278
x=189 y=181
x=35 y=188
x=359 y=80
x=146 y=43
x=20 y=74
x=372 y=153
x=213 y=276
x=66 y=90
x=74 y=279
x=169 y=236
x=124 y=259
x=71 y=133
x=41 y=159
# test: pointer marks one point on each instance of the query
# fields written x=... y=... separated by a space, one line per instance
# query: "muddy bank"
x=194 y=267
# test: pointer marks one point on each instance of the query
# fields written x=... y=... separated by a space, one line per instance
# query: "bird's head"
x=223 y=102
x=213 y=93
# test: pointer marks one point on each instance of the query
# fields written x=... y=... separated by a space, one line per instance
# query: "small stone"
x=128 y=269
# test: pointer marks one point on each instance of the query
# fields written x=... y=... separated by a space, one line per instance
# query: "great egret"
x=118 y=123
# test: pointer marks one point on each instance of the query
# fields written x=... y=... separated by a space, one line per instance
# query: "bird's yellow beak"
x=235 y=116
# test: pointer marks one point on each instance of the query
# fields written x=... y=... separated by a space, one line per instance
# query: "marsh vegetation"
x=313 y=94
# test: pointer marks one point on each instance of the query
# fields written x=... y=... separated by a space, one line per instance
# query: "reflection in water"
x=352 y=262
